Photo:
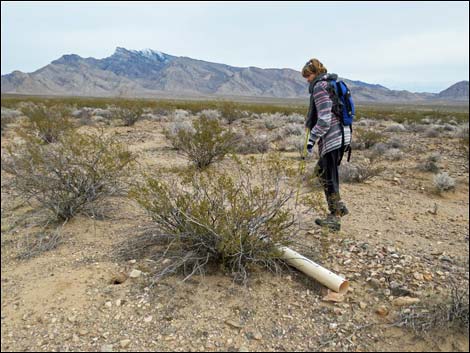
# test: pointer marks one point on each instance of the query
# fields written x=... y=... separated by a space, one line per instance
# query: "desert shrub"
x=366 y=123
x=394 y=154
x=293 y=129
x=39 y=242
x=154 y=117
x=171 y=132
x=448 y=127
x=230 y=111
x=10 y=113
x=417 y=128
x=213 y=218
x=368 y=137
x=292 y=144
x=432 y=131
x=430 y=164
x=462 y=134
x=443 y=182
x=296 y=118
x=4 y=123
x=180 y=115
x=8 y=116
x=83 y=115
x=395 y=142
x=249 y=143
x=67 y=176
x=206 y=143
x=128 y=114
x=105 y=113
x=210 y=114
x=451 y=312
x=271 y=123
x=46 y=123
x=396 y=128
x=380 y=148
x=360 y=172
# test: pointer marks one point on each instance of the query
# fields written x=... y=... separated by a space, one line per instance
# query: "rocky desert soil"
x=401 y=243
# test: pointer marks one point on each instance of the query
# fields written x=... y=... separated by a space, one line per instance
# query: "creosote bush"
x=128 y=114
x=206 y=143
x=430 y=164
x=210 y=218
x=69 y=175
x=368 y=138
x=230 y=111
x=48 y=123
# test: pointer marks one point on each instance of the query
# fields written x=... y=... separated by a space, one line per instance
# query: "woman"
x=326 y=129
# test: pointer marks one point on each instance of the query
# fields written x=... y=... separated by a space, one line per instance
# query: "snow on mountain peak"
x=151 y=54
x=146 y=53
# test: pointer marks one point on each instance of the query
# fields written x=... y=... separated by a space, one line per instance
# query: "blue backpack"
x=348 y=111
x=343 y=106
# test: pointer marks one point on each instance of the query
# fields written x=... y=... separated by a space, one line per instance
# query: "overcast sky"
x=418 y=46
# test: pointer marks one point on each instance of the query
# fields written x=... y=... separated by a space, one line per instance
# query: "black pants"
x=327 y=171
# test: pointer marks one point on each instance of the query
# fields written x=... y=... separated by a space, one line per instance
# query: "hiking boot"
x=336 y=206
x=342 y=209
x=331 y=221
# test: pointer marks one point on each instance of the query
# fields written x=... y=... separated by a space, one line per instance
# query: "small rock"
x=445 y=258
x=243 y=349
x=427 y=277
x=418 y=276
x=75 y=338
x=333 y=297
x=375 y=283
x=362 y=305
x=108 y=304
x=233 y=324
x=337 y=311
x=135 y=274
x=83 y=332
x=257 y=335
x=382 y=310
x=333 y=326
x=125 y=343
x=148 y=319
x=405 y=301
x=118 y=302
x=107 y=348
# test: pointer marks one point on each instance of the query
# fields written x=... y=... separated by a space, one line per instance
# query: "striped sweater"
x=326 y=125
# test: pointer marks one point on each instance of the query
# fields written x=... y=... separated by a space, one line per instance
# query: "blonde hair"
x=313 y=66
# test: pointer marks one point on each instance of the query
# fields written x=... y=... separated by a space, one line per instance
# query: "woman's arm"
x=323 y=104
x=311 y=119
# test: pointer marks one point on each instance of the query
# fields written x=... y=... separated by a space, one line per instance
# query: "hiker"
x=333 y=139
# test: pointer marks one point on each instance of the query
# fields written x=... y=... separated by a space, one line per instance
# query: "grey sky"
x=418 y=46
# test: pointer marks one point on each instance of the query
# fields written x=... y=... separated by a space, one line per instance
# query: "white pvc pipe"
x=314 y=270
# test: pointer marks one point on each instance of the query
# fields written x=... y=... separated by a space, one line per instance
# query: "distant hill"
x=458 y=91
x=150 y=73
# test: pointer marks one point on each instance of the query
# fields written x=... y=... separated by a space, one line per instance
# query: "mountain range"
x=150 y=73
